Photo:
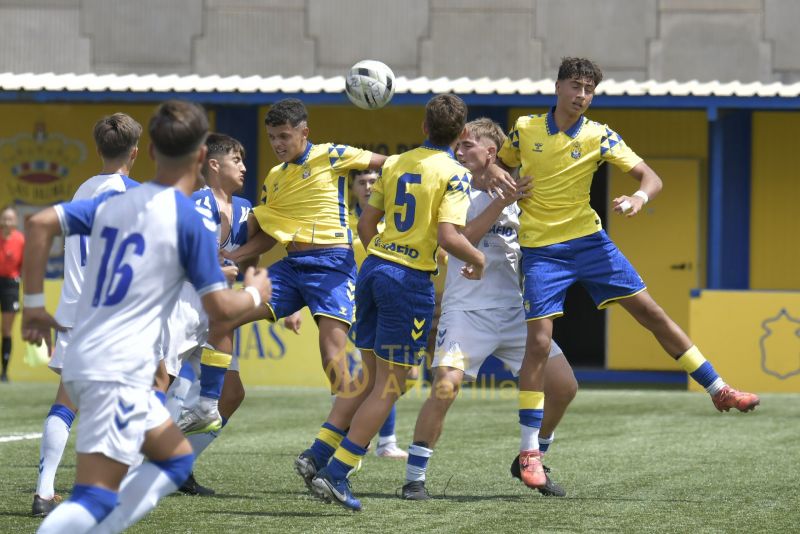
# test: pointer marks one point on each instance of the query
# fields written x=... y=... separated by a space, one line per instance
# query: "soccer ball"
x=369 y=84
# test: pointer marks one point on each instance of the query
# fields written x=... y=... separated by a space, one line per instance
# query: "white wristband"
x=255 y=294
x=33 y=301
x=641 y=194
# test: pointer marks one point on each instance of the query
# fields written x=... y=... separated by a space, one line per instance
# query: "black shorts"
x=9 y=294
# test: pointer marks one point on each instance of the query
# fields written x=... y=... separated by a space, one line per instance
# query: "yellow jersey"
x=358 y=247
x=417 y=190
x=562 y=165
x=306 y=200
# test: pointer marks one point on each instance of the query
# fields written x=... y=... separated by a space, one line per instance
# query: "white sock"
x=54 y=440
x=201 y=441
x=417 y=472
x=715 y=386
x=529 y=438
x=176 y=396
x=208 y=405
x=545 y=442
x=139 y=493
x=69 y=517
x=385 y=440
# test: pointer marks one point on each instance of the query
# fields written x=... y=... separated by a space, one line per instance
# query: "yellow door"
x=663 y=244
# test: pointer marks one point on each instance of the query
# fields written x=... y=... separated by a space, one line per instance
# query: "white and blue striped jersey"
x=241 y=208
x=144 y=244
x=76 y=247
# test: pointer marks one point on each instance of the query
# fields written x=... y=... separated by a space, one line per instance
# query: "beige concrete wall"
x=748 y=40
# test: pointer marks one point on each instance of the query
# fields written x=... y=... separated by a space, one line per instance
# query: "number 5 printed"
x=404 y=198
x=121 y=273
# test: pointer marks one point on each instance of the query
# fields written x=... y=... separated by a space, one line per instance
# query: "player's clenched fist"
x=259 y=279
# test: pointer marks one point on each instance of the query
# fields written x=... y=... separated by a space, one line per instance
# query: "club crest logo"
x=306 y=171
x=576 y=150
x=780 y=345
x=38 y=164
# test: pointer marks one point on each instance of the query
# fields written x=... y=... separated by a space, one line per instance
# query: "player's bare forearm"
x=228 y=304
x=649 y=181
x=376 y=161
x=649 y=186
x=39 y=232
x=455 y=243
x=477 y=227
x=368 y=224
x=260 y=243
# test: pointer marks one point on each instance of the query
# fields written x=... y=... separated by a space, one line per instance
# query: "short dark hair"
x=116 y=135
x=289 y=110
x=445 y=116
x=221 y=144
x=579 y=68
x=178 y=128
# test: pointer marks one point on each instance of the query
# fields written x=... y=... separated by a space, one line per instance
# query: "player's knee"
x=98 y=501
x=445 y=390
x=538 y=344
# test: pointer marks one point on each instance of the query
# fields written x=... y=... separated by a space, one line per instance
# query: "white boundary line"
x=20 y=437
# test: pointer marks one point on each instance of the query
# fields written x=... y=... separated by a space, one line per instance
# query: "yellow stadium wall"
x=756 y=347
x=775 y=191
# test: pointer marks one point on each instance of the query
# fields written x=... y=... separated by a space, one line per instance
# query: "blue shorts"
x=324 y=280
x=593 y=260
x=394 y=310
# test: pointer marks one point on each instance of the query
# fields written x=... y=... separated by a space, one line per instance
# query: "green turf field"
x=632 y=461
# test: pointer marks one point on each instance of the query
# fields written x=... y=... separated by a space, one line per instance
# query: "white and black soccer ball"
x=370 y=84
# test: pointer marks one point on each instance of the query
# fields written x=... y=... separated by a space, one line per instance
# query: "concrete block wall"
x=747 y=40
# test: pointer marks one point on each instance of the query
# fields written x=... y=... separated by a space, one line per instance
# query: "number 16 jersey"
x=143 y=245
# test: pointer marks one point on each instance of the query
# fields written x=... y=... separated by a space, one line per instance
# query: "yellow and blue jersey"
x=306 y=200
x=562 y=165
x=359 y=249
x=417 y=190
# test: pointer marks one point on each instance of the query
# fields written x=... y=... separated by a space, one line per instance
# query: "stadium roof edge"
x=317 y=89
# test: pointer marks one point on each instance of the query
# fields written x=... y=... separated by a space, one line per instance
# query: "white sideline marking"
x=20 y=437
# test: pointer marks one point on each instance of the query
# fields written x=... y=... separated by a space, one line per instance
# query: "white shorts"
x=62 y=342
x=466 y=338
x=114 y=417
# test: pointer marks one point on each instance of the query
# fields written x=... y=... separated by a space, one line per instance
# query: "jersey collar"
x=302 y=157
x=447 y=149
x=552 y=128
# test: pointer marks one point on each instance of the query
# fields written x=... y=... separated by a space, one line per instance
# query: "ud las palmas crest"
x=780 y=345
x=38 y=164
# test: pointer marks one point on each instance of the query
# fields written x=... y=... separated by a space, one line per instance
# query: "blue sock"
x=345 y=459
x=211 y=380
x=388 y=426
x=328 y=439
x=63 y=413
x=177 y=468
x=98 y=501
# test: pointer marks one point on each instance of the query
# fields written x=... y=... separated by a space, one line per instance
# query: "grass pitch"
x=631 y=461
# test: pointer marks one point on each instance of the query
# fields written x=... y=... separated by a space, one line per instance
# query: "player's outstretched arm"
x=228 y=304
x=40 y=230
x=260 y=243
x=455 y=243
x=368 y=224
x=650 y=186
x=477 y=227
